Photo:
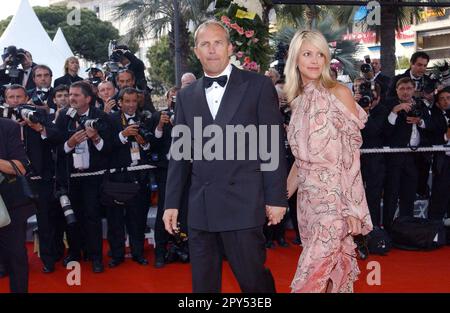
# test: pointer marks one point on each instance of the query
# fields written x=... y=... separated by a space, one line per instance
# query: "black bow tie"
x=130 y=119
x=208 y=81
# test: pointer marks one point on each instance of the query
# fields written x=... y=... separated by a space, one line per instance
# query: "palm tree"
x=344 y=49
x=154 y=18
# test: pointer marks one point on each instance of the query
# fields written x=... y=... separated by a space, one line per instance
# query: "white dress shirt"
x=214 y=94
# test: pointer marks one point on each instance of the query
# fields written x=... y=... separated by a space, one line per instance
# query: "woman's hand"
x=354 y=226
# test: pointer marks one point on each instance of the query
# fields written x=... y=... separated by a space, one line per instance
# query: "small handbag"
x=16 y=190
x=117 y=193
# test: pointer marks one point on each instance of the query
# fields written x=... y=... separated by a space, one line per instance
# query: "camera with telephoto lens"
x=31 y=113
x=66 y=206
x=366 y=67
x=8 y=112
x=416 y=109
x=96 y=123
x=143 y=131
x=365 y=89
x=13 y=57
x=179 y=249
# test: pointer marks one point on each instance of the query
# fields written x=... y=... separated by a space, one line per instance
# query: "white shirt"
x=124 y=139
x=83 y=149
x=214 y=94
x=415 y=135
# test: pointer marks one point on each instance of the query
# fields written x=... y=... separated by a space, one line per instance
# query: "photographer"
x=27 y=67
x=95 y=75
x=372 y=165
x=161 y=124
x=440 y=196
x=405 y=127
x=106 y=97
x=418 y=66
x=130 y=140
x=132 y=63
x=71 y=68
x=9 y=71
x=13 y=252
x=83 y=134
x=42 y=95
x=38 y=150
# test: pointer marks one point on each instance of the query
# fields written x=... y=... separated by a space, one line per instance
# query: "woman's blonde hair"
x=66 y=64
x=294 y=84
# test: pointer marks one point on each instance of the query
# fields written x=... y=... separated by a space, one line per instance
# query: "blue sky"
x=9 y=7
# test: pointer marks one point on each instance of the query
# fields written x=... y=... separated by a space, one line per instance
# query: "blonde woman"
x=71 y=68
x=324 y=135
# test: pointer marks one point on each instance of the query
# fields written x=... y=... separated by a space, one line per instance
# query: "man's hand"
x=354 y=226
x=274 y=214
x=34 y=126
x=413 y=120
x=402 y=107
x=109 y=105
x=92 y=133
x=140 y=140
x=77 y=138
x=170 y=220
x=357 y=96
x=131 y=130
x=164 y=119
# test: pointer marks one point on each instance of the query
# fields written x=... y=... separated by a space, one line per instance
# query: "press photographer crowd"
x=108 y=121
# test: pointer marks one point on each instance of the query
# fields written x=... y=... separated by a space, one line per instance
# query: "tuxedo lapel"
x=200 y=106
x=234 y=93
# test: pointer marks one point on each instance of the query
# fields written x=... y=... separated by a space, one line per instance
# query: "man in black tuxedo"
x=71 y=68
x=440 y=196
x=406 y=126
x=381 y=79
x=83 y=148
x=27 y=76
x=38 y=150
x=42 y=94
x=229 y=197
x=13 y=252
x=373 y=165
x=130 y=148
x=134 y=64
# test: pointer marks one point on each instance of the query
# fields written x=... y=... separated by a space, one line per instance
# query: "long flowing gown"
x=325 y=139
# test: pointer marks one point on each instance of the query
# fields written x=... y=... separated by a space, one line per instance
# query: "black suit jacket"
x=372 y=133
x=399 y=135
x=50 y=103
x=11 y=148
x=161 y=147
x=437 y=138
x=65 y=128
x=66 y=80
x=384 y=82
x=138 y=68
x=30 y=82
x=229 y=195
x=392 y=90
x=121 y=156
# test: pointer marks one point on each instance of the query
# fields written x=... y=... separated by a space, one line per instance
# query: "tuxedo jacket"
x=66 y=80
x=229 y=195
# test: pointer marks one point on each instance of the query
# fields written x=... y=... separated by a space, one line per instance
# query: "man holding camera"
x=372 y=165
x=39 y=152
x=130 y=140
x=107 y=96
x=132 y=63
x=440 y=196
x=405 y=127
x=27 y=67
x=83 y=133
x=42 y=95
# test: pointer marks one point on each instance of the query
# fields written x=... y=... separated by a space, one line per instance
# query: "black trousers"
x=424 y=161
x=246 y=254
x=84 y=194
x=373 y=175
x=161 y=235
x=440 y=196
x=13 y=252
x=400 y=186
x=134 y=216
x=50 y=220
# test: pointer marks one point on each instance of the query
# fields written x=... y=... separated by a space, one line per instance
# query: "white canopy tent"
x=26 y=31
x=61 y=44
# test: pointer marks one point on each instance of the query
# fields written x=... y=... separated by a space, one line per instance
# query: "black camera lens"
x=366 y=68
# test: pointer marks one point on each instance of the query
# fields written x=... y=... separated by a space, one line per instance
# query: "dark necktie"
x=130 y=120
x=208 y=81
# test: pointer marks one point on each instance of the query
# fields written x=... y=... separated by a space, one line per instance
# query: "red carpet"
x=401 y=271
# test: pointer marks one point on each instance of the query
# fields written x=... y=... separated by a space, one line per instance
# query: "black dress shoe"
x=97 y=267
x=297 y=241
x=282 y=242
x=115 y=262
x=160 y=261
x=270 y=244
x=48 y=269
x=140 y=260
x=70 y=258
x=3 y=274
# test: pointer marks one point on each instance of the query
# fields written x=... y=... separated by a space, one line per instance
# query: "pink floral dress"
x=325 y=139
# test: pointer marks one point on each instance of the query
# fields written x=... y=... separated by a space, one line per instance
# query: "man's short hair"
x=419 y=54
x=42 y=67
x=60 y=88
x=404 y=80
x=127 y=91
x=85 y=87
x=16 y=87
x=125 y=71
x=209 y=23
